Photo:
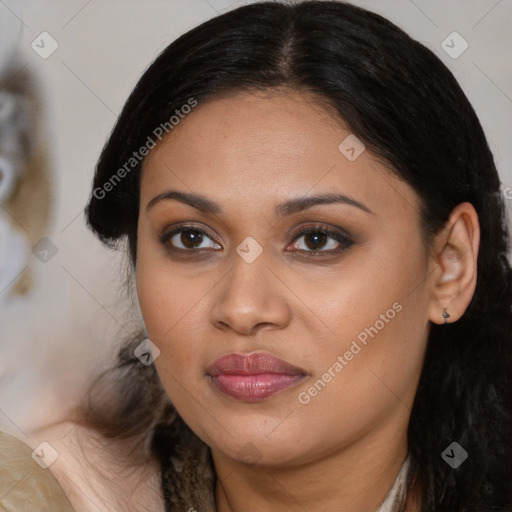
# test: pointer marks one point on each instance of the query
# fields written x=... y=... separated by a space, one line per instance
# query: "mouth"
x=253 y=377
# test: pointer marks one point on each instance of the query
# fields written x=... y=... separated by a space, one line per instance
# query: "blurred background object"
x=14 y=128
x=10 y=32
x=24 y=191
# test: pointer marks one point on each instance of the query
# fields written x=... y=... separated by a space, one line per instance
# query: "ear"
x=453 y=269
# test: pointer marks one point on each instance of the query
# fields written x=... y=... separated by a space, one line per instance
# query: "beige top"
x=24 y=484
x=397 y=495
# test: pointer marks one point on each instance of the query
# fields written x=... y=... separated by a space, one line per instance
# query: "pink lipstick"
x=253 y=377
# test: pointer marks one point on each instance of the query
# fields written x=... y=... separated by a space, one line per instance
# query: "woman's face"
x=347 y=310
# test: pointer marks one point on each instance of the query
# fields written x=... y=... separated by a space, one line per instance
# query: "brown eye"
x=188 y=239
x=315 y=240
x=321 y=241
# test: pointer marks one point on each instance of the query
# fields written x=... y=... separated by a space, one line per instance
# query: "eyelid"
x=323 y=227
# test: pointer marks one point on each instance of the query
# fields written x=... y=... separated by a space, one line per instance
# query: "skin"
x=247 y=153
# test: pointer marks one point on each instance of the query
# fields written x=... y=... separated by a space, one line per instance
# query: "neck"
x=357 y=478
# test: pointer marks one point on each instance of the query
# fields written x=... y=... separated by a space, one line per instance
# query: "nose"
x=251 y=297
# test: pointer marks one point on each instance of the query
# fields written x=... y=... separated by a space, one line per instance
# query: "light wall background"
x=67 y=328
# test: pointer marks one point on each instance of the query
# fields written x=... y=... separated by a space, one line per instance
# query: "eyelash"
x=336 y=235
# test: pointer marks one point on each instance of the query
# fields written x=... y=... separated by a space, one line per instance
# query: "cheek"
x=161 y=294
x=167 y=308
x=378 y=314
x=378 y=293
x=167 y=302
x=173 y=306
x=378 y=297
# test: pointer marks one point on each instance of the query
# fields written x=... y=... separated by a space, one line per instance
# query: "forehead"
x=251 y=151
x=246 y=125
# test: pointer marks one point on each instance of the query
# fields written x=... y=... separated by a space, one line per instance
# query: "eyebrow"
x=289 y=207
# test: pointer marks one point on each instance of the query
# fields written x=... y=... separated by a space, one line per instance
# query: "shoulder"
x=26 y=484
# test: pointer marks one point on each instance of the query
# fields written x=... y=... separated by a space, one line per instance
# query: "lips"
x=253 y=377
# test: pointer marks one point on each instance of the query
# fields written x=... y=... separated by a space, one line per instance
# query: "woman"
x=318 y=243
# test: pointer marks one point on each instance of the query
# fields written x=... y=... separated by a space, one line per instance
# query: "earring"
x=446 y=315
